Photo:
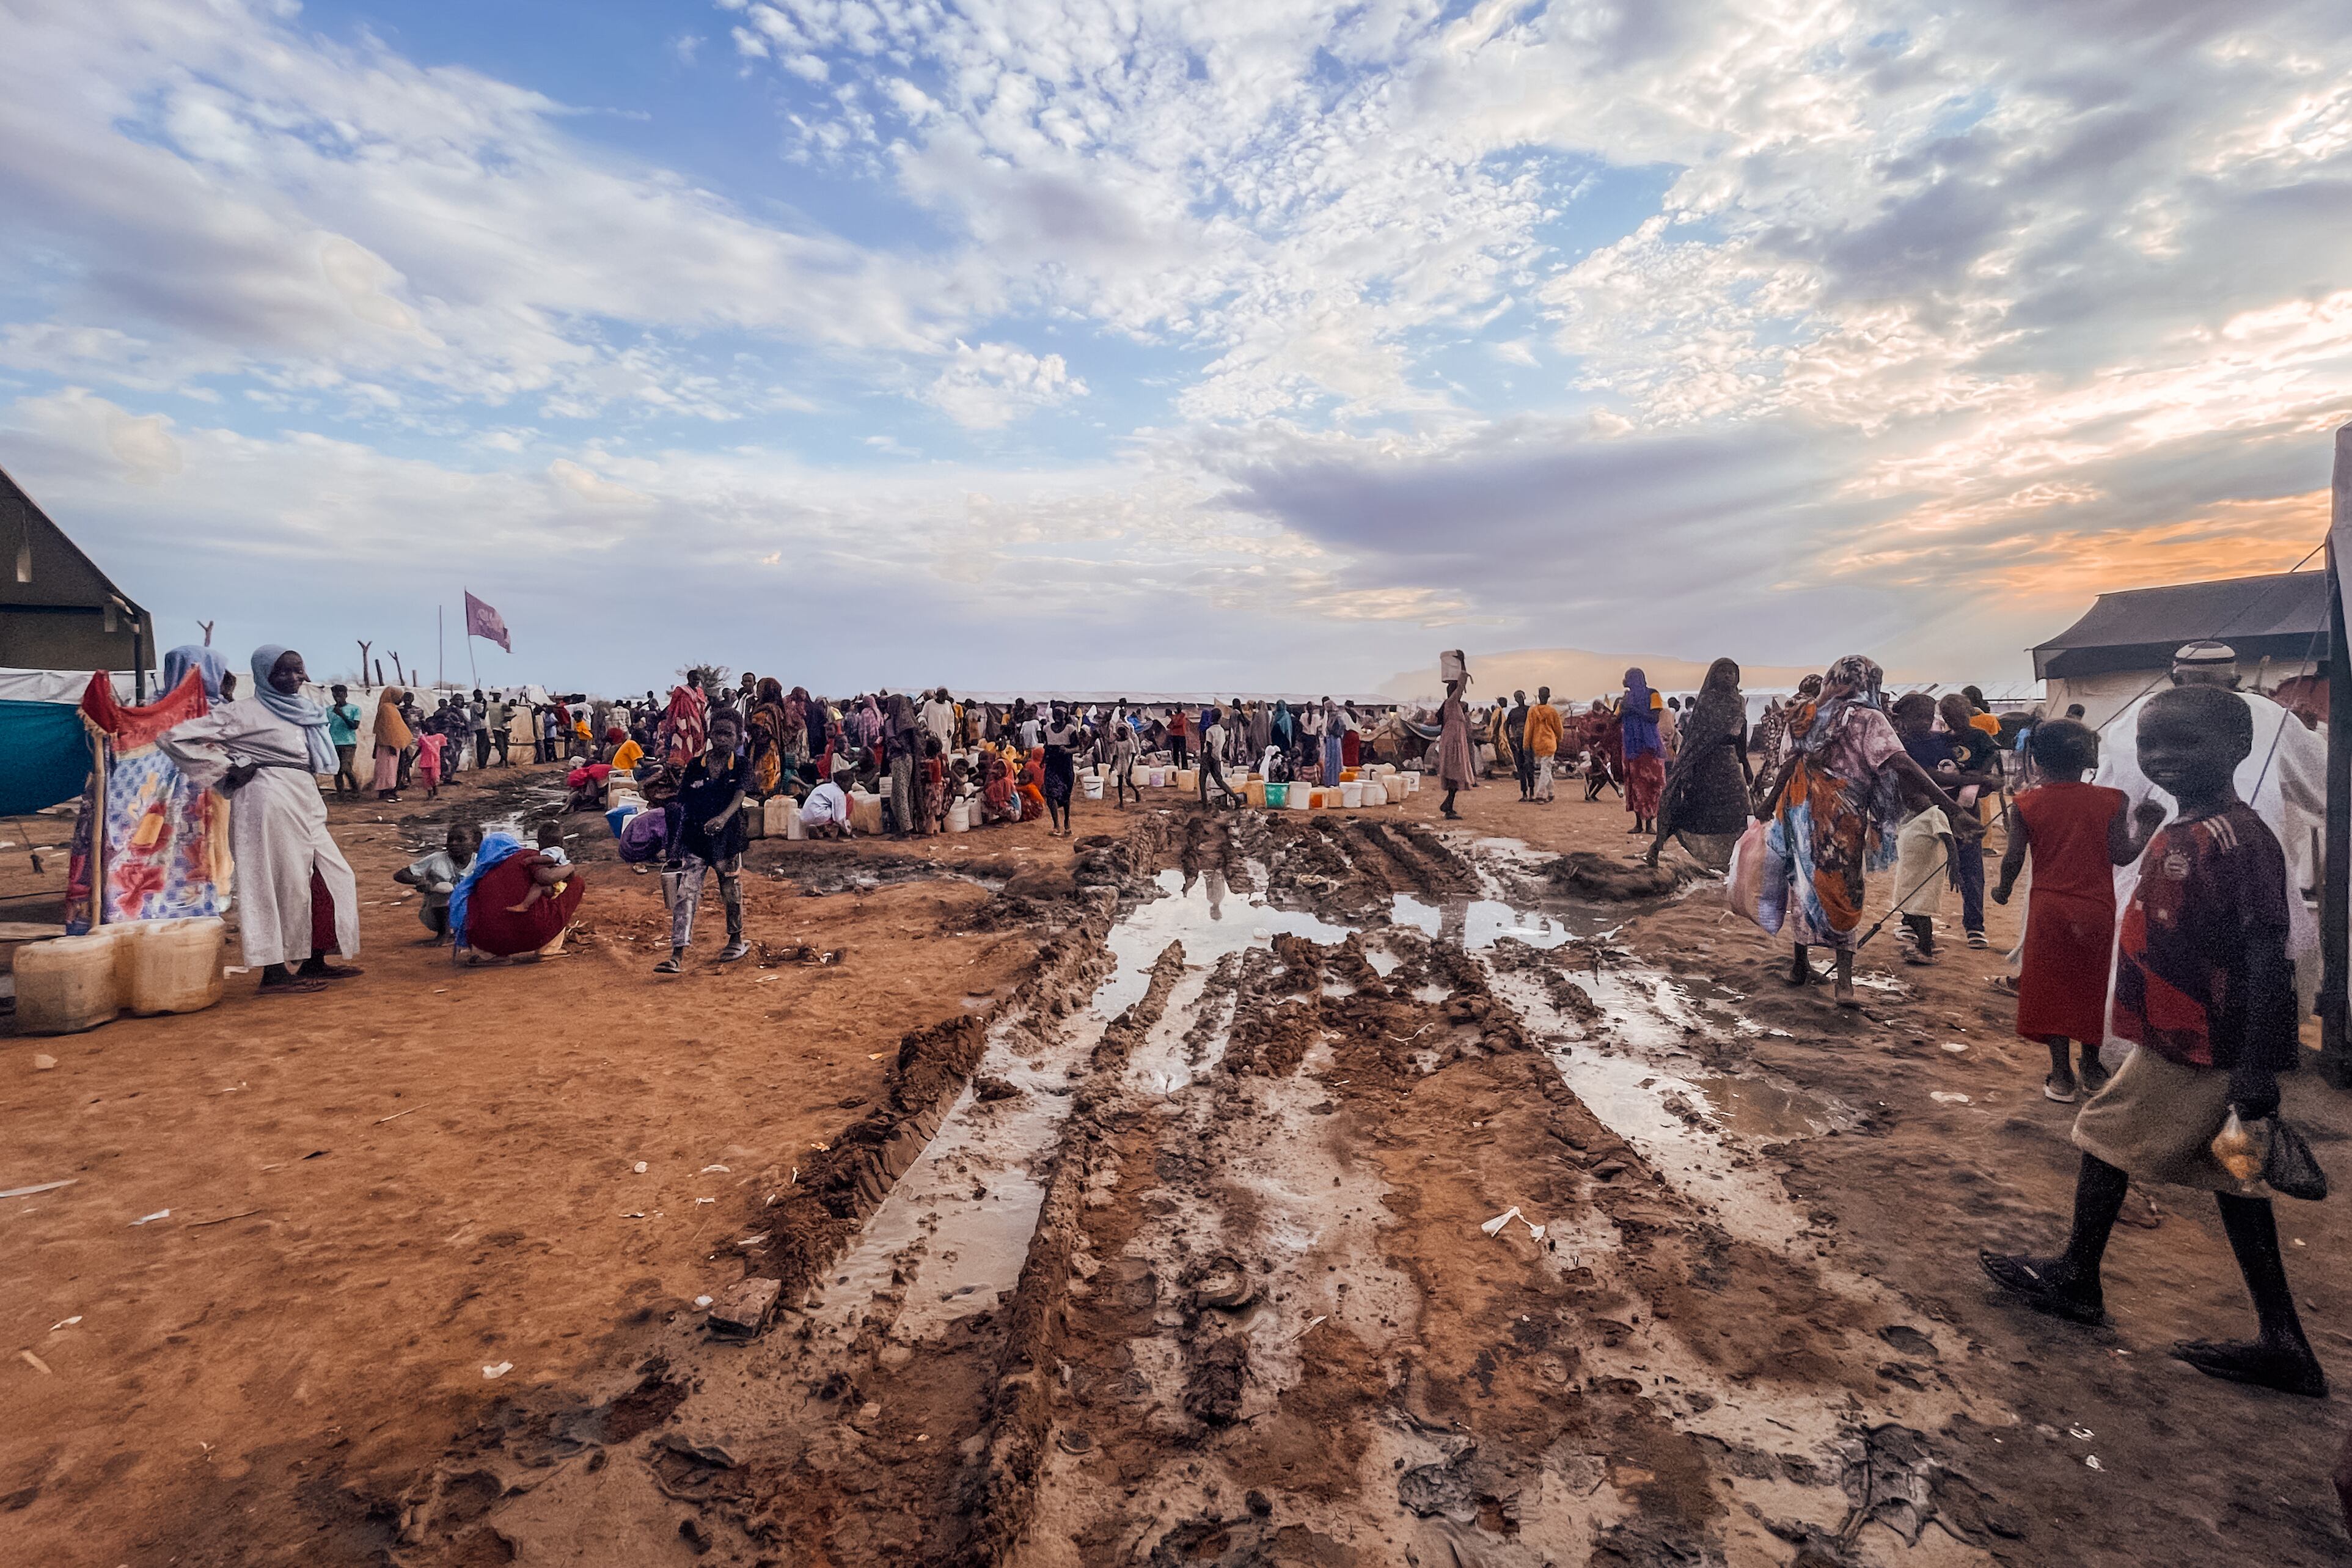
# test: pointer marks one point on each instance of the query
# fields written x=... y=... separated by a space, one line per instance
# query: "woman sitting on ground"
x=492 y=912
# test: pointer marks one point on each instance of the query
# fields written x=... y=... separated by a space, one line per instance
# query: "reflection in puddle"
x=1209 y=918
x=1478 y=924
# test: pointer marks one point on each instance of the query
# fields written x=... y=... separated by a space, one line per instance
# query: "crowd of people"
x=2163 y=922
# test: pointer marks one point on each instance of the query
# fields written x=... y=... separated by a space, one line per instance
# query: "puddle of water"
x=1478 y=924
x=1384 y=963
x=1758 y=1110
x=1209 y=918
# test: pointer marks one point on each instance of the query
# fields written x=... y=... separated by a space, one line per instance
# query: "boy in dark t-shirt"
x=2204 y=987
x=707 y=835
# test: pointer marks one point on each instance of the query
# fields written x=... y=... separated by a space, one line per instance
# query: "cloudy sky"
x=1145 y=344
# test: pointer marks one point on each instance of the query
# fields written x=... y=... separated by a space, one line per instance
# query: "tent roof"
x=2281 y=615
x=55 y=604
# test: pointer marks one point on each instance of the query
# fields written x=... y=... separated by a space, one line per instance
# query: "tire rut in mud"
x=1258 y=1318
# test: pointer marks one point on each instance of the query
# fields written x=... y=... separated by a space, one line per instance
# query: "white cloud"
x=1929 y=291
x=992 y=385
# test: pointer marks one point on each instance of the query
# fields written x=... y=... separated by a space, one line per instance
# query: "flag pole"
x=440 y=652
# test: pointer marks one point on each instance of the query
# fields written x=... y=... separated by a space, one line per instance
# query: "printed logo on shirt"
x=2175 y=867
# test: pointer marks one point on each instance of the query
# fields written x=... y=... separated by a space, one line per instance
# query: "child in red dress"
x=2077 y=834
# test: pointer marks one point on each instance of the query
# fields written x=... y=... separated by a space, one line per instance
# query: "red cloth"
x=1646 y=781
x=134 y=727
x=1349 y=749
x=2069 y=914
x=323 y=915
x=497 y=929
x=2209 y=892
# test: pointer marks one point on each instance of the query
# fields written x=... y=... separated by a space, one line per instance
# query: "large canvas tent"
x=57 y=610
x=2125 y=642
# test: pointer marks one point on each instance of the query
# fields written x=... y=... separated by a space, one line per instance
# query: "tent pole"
x=2336 y=881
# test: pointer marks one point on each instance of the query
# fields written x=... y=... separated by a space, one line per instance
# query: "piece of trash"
x=635 y=1214
x=2093 y=1461
x=2084 y=1433
x=702 y=1301
x=38 y=1187
x=501 y=1370
x=44 y=1063
x=746 y=1306
x=37 y=1364
x=159 y=1214
x=640 y=1167
x=236 y=968
x=398 y=1115
x=820 y=1148
x=1946 y=1097
x=1956 y=1044
x=753 y=1240
x=708 y=1169
x=706 y=1200
x=1311 y=1323
x=65 y=1322
x=876 y=1055
x=1494 y=1226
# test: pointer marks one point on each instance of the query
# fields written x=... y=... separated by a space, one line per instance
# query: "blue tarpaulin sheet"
x=44 y=755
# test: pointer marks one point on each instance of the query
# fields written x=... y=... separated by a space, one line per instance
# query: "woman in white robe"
x=265 y=752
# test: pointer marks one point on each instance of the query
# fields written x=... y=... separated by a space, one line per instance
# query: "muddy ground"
x=1127 y=1202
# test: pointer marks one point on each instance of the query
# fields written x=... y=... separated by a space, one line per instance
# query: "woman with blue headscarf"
x=295 y=894
x=1645 y=750
x=208 y=664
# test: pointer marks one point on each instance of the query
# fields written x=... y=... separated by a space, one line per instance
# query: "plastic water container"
x=1301 y=798
x=1254 y=792
x=779 y=815
x=176 y=965
x=618 y=818
x=1189 y=780
x=1351 y=795
x=69 y=984
x=1411 y=783
x=794 y=831
x=1375 y=793
x=1278 y=795
x=864 y=812
x=1349 y=775
x=1094 y=785
x=960 y=817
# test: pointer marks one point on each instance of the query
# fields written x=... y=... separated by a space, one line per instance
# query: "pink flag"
x=481 y=621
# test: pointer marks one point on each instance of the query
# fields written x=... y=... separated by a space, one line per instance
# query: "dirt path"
x=1195 y=1268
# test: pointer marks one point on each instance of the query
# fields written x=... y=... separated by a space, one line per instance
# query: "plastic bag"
x=2234 y=1146
x=1743 y=886
x=2289 y=1168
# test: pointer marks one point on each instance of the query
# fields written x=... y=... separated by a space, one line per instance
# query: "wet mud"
x=1337 y=1191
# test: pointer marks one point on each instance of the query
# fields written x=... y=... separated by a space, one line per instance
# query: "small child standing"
x=428 y=762
x=2204 y=988
x=2076 y=834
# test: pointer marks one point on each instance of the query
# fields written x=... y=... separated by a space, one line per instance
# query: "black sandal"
x=2253 y=1362
x=2028 y=1279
